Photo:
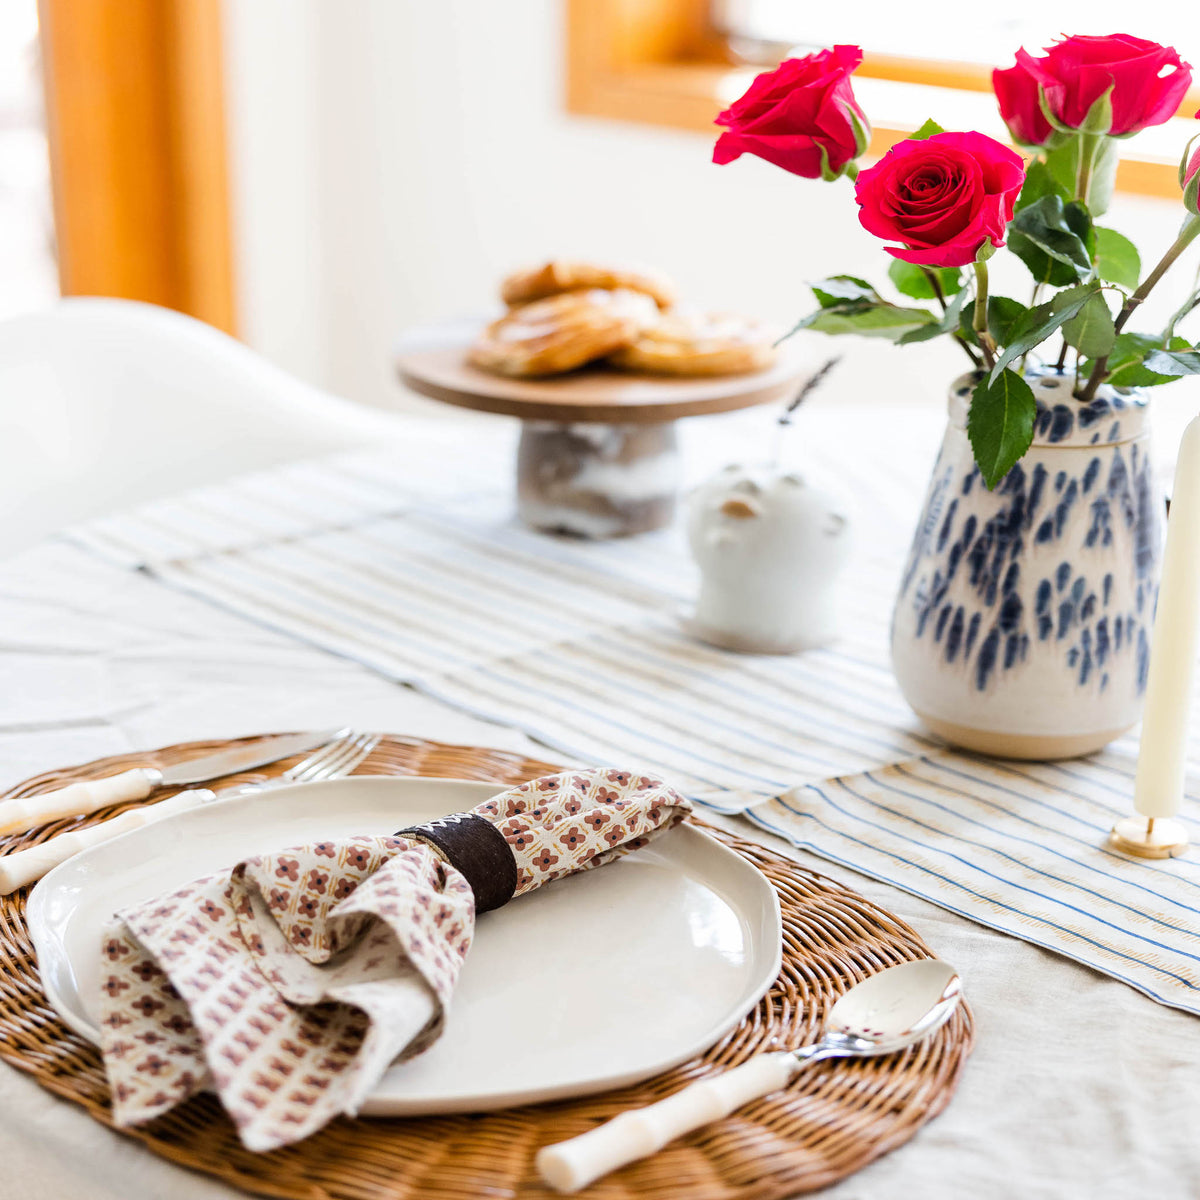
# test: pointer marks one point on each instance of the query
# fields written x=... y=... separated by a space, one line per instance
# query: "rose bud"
x=802 y=117
x=1189 y=177
x=1021 y=107
x=1066 y=88
x=942 y=197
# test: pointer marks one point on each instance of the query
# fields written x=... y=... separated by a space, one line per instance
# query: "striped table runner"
x=1019 y=847
x=426 y=579
x=578 y=644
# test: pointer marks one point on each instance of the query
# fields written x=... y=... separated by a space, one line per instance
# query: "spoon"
x=885 y=1013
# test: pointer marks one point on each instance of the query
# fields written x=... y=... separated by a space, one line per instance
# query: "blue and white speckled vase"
x=1022 y=628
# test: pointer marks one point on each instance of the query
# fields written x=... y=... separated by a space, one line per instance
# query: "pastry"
x=712 y=344
x=562 y=332
x=559 y=275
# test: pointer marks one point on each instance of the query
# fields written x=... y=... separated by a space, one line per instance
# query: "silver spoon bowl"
x=888 y=1011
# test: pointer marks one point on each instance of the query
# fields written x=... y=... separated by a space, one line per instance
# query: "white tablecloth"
x=1078 y=1086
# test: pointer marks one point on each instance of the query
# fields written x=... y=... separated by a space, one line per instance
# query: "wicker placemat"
x=837 y=1117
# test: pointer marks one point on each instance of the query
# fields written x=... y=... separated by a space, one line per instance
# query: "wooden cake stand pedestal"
x=598 y=455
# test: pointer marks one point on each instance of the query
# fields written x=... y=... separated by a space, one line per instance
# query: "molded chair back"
x=109 y=403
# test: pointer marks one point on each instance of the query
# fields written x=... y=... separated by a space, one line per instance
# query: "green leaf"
x=838 y=289
x=1058 y=230
x=1117 y=259
x=913 y=281
x=966 y=325
x=1000 y=424
x=1174 y=362
x=1037 y=324
x=1003 y=314
x=1125 y=360
x=1091 y=329
x=926 y=131
x=1041 y=266
x=878 y=320
x=1040 y=181
x=949 y=320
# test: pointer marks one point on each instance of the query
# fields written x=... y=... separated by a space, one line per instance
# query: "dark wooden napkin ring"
x=477 y=848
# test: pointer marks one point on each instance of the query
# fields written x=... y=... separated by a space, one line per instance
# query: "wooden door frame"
x=135 y=119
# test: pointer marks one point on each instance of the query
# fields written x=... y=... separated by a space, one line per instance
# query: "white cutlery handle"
x=76 y=800
x=569 y=1166
x=28 y=866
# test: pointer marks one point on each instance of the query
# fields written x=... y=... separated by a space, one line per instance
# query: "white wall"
x=393 y=158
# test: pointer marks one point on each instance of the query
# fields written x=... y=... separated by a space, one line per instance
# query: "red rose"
x=942 y=197
x=802 y=116
x=1189 y=178
x=1020 y=106
x=1148 y=83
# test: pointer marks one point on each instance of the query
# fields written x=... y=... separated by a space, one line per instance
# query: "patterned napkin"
x=289 y=983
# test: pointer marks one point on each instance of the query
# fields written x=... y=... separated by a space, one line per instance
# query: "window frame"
x=660 y=62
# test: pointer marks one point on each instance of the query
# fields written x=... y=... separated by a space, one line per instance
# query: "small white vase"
x=769 y=545
x=1022 y=626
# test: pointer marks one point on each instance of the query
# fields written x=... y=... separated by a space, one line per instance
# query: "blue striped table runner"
x=579 y=644
x=1019 y=847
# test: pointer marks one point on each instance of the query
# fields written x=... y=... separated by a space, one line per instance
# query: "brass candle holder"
x=1149 y=837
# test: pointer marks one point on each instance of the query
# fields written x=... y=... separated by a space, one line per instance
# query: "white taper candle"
x=1158 y=789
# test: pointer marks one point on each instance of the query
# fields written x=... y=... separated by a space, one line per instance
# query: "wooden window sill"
x=678 y=93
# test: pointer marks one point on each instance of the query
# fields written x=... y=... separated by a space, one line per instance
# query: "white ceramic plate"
x=596 y=981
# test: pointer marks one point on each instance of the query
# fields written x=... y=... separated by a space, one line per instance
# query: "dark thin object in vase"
x=810 y=385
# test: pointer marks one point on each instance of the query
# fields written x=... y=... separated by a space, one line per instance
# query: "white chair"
x=109 y=403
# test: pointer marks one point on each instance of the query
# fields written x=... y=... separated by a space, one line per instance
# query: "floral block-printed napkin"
x=291 y=981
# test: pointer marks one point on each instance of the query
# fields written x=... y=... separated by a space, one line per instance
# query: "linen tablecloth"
x=1078 y=1086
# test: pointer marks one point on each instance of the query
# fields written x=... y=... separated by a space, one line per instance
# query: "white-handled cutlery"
x=338 y=755
x=885 y=1013
x=79 y=799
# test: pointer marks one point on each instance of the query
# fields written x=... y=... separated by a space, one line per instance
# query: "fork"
x=331 y=761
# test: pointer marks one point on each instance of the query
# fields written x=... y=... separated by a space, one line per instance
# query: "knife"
x=23 y=813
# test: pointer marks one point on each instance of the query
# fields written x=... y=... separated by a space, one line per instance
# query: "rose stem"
x=1062 y=357
x=1190 y=303
x=981 y=306
x=1182 y=311
x=958 y=337
x=1088 y=145
x=936 y=284
x=1187 y=235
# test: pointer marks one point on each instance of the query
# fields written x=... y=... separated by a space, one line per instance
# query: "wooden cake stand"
x=598 y=455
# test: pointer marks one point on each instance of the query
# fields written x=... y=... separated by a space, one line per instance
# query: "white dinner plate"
x=595 y=981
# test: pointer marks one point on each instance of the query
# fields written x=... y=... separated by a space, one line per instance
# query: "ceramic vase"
x=1022 y=626
x=770 y=544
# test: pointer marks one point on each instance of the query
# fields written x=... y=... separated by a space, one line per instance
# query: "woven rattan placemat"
x=836 y=1117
